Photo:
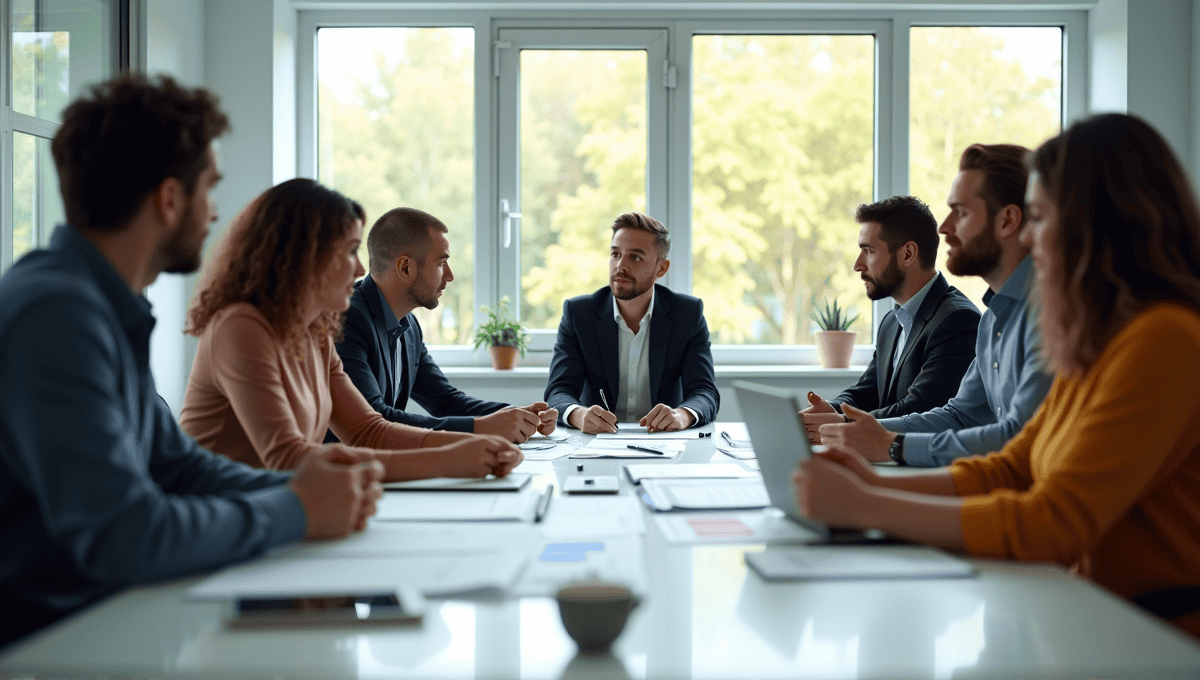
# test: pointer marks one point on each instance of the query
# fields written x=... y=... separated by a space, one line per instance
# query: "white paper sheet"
x=802 y=563
x=435 y=575
x=557 y=563
x=634 y=431
x=619 y=448
x=512 y=482
x=581 y=517
x=769 y=526
x=544 y=449
x=441 y=506
x=706 y=494
x=387 y=539
x=638 y=472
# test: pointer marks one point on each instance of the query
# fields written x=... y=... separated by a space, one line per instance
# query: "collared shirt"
x=633 y=354
x=905 y=314
x=99 y=488
x=1000 y=392
x=396 y=328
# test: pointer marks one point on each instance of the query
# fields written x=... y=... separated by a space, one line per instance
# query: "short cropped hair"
x=902 y=219
x=1005 y=174
x=400 y=231
x=127 y=135
x=636 y=220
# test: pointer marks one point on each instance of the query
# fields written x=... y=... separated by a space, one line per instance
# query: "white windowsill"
x=725 y=372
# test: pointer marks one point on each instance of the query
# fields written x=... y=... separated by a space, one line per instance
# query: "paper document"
x=457 y=506
x=635 y=431
x=638 y=472
x=399 y=539
x=619 y=448
x=434 y=575
x=546 y=449
x=801 y=563
x=579 y=517
x=512 y=482
x=746 y=526
x=706 y=494
x=617 y=560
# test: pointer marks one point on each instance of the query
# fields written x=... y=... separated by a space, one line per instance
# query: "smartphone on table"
x=402 y=606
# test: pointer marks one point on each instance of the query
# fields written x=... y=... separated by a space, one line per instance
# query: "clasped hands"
x=851 y=430
x=661 y=418
x=518 y=423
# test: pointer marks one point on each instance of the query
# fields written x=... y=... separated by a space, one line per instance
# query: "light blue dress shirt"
x=1001 y=391
x=904 y=315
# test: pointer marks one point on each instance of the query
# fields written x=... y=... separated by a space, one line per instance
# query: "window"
x=782 y=153
x=396 y=128
x=753 y=135
x=978 y=84
x=54 y=50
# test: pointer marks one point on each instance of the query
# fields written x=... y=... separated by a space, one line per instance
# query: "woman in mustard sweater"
x=267 y=383
x=1106 y=476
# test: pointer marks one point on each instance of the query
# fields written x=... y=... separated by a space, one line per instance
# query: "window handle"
x=508 y=218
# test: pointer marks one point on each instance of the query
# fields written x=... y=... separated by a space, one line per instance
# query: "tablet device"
x=404 y=606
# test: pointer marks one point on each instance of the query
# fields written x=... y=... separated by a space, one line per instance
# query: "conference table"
x=703 y=615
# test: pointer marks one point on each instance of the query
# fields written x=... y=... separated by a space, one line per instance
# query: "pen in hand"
x=604 y=400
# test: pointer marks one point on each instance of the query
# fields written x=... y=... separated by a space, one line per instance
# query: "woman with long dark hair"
x=267 y=382
x=1106 y=476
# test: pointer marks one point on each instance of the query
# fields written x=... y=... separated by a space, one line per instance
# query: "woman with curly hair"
x=267 y=383
x=1106 y=476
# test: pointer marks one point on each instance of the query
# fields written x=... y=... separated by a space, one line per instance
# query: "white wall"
x=1160 y=69
x=174 y=44
x=1108 y=71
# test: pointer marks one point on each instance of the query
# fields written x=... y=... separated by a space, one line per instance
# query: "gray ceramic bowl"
x=594 y=613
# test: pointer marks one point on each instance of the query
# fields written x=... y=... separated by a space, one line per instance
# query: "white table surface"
x=705 y=616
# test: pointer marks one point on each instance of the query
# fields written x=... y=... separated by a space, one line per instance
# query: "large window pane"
x=37 y=206
x=782 y=153
x=975 y=84
x=583 y=162
x=396 y=128
x=58 y=46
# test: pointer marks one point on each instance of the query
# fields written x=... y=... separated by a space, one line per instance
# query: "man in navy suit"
x=383 y=350
x=634 y=351
x=927 y=342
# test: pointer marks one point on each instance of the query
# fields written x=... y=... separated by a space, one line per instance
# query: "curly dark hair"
x=126 y=136
x=1128 y=234
x=277 y=247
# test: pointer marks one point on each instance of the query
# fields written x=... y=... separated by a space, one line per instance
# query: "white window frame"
x=891 y=29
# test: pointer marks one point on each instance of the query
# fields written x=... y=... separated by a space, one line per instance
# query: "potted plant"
x=834 y=342
x=503 y=335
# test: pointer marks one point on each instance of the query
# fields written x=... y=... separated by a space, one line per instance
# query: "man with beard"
x=926 y=343
x=383 y=350
x=99 y=488
x=634 y=351
x=1006 y=383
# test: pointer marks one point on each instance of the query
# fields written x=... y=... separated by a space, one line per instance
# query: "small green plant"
x=501 y=329
x=833 y=317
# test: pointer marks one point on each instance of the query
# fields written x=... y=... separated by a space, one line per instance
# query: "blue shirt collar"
x=914 y=303
x=1018 y=285
x=132 y=310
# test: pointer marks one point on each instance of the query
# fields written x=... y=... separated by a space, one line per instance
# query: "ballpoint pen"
x=643 y=448
x=604 y=400
x=543 y=504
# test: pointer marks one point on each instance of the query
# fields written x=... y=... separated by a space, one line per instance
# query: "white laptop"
x=780 y=443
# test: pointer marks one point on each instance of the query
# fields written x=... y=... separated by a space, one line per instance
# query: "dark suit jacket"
x=941 y=347
x=369 y=363
x=681 y=365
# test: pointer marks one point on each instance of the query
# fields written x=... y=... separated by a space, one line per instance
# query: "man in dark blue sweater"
x=99 y=488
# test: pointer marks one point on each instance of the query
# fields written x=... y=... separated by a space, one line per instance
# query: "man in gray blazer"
x=927 y=342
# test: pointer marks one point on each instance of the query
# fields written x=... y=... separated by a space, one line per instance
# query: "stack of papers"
x=705 y=494
x=512 y=482
x=686 y=471
x=619 y=448
x=457 y=506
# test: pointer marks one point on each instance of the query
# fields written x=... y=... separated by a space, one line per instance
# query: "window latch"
x=508 y=218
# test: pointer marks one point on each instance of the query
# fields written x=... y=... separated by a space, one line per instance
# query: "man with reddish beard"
x=1006 y=383
x=927 y=342
x=383 y=350
x=634 y=351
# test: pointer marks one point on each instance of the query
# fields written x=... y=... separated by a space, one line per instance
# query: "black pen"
x=643 y=448
x=543 y=504
x=726 y=437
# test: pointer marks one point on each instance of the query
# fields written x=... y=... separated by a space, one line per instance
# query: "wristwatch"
x=896 y=450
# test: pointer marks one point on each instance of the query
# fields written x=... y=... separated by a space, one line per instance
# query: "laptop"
x=777 y=434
